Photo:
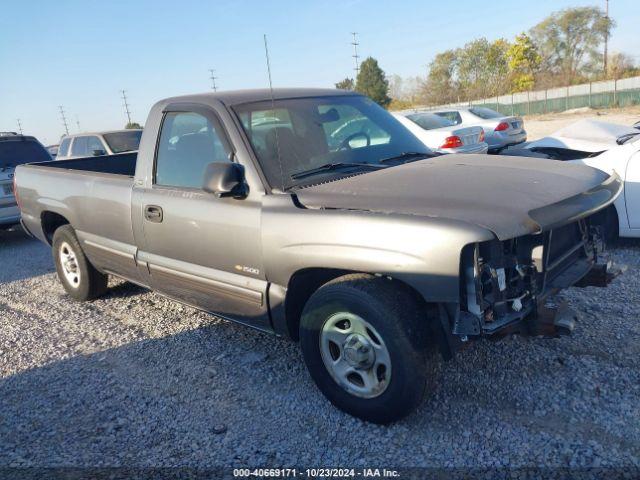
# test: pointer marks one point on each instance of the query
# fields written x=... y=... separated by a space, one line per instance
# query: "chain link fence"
x=603 y=94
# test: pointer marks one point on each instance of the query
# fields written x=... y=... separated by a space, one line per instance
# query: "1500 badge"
x=245 y=269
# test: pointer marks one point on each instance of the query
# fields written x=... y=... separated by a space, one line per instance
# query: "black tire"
x=91 y=283
x=607 y=219
x=399 y=318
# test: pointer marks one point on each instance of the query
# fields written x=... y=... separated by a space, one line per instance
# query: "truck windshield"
x=293 y=137
x=17 y=152
x=120 y=142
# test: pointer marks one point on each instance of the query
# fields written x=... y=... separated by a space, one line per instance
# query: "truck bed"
x=120 y=164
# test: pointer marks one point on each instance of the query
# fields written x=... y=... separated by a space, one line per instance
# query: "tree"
x=346 y=84
x=132 y=125
x=569 y=41
x=372 y=82
x=524 y=63
x=441 y=85
x=482 y=68
x=621 y=65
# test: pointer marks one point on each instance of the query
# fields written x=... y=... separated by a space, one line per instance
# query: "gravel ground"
x=136 y=380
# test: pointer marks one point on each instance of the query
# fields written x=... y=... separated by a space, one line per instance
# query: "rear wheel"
x=79 y=278
x=365 y=343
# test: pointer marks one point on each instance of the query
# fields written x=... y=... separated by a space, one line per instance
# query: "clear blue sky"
x=81 y=53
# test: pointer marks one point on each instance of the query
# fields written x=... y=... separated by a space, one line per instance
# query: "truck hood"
x=510 y=196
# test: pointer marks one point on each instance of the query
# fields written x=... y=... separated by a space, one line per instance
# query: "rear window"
x=486 y=113
x=120 y=142
x=453 y=117
x=429 y=121
x=17 y=152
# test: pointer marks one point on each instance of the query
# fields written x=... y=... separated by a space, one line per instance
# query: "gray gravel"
x=134 y=379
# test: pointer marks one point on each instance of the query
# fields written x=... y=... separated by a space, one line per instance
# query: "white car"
x=607 y=147
x=98 y=144
x=441 y=135
x=500 y=130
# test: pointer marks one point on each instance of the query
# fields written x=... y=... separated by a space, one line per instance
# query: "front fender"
x=420 y=251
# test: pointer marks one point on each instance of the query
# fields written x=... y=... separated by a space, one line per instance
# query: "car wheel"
x=79 y=278
x=366 y=344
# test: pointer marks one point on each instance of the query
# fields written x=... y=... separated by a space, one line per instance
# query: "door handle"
x=153 y=213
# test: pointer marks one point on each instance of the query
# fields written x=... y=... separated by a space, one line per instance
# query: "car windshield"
x=17 y=152
x=430 y=121
x=120 y=142
x=324 y=136
x=486 y=113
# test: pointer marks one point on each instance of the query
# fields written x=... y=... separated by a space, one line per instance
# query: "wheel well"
x=304 y=283
x=51 y=221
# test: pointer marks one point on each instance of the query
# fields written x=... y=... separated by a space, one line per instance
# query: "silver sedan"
x=500 y=131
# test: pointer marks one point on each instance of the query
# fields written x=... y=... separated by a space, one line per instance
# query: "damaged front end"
x=507 y=284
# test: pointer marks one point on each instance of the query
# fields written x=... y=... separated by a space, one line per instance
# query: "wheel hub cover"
x=358 y=352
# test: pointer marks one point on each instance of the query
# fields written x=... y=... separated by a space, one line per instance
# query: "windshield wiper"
x=409 y=156
x=622 y=139
x=334 y=166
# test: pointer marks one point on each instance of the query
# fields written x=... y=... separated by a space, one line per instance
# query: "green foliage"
x=524 y=62
x=565 y=48
x=132 y=125
x=346 y=84
x=372 y=82
x=441 y=84
x=482 y=67
x=569 y=42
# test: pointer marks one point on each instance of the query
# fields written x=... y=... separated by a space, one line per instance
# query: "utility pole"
x=126 y=106
x=64 y=119
x=19 y=126
x=78 y=123
x=355 y=52
x=213 y=80
x=606 y=38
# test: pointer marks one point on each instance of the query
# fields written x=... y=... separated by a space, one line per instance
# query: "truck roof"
x=237 y=97
x=102 y=132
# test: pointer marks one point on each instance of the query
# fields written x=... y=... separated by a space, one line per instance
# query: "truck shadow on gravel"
x=22 y=257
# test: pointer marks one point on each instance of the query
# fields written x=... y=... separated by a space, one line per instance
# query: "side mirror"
x=225 y=179
x=99 y=153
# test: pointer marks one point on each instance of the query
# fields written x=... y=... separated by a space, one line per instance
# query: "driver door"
x=200 y=249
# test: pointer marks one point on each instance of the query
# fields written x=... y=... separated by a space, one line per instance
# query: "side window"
x=79 y=147
x=63 y=149
x=93 y=144
x=188 y=143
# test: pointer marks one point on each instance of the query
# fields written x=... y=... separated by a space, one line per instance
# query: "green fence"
x=603 y=94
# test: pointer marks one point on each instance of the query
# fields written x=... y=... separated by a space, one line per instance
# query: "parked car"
x=53 y=150
x=374 y=255
x=441 y=135
x=15 y=150
x=99 y=144
x=500 y=131
x=607 y=147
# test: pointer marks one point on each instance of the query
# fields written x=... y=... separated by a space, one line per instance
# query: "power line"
x=126 y=105
x=606 y=37
x=20 y=126
x=355 y=52
x=64 y=119
x=213 y=80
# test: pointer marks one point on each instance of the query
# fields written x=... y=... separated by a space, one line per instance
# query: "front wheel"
x=79 y=278
x=365 y=342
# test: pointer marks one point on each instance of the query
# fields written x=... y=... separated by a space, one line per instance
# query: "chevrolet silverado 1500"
x=276 y=209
